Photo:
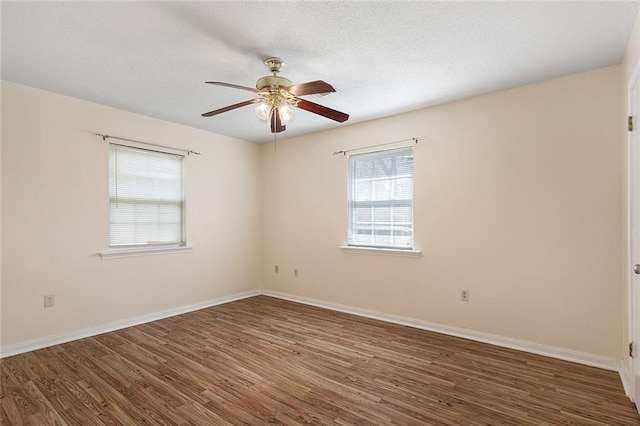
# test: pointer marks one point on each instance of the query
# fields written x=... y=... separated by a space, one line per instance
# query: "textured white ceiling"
x=383 y=57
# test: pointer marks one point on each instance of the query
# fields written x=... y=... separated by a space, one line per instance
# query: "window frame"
x=354 y=246
x=160 y=247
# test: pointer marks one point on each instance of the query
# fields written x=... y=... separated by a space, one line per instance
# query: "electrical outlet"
x=295 y=273
x=49 y=301
x=464 y=295
x=277 y=269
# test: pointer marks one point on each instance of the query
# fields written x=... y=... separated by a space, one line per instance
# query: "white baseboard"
x=625 y=377
x=58 y=339
x=521 y=345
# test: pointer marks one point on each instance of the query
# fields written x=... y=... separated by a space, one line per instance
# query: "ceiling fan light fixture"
x=276 y=95
x=286 y=113
x=263 y=111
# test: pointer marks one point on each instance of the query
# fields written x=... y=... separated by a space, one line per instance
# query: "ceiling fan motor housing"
x=273 y=82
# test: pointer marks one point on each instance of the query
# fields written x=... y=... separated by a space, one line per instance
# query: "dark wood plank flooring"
x=268 y=361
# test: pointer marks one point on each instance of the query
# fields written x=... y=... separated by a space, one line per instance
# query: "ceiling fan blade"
x=276 y=124
x=235 y=86
x=228 y=108
x=310 y=88
x=323 y=111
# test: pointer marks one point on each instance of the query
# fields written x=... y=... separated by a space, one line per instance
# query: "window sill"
x=382 y=251
x=142 y=251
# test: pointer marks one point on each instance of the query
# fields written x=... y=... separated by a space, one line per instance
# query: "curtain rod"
x=188 y=151
x=415 y=140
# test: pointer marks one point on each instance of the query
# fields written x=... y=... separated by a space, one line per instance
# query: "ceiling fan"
x=276 y=96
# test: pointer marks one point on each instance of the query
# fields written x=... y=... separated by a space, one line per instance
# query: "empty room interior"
x=335 y=213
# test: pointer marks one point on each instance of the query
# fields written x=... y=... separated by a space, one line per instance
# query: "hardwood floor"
x=267 y=361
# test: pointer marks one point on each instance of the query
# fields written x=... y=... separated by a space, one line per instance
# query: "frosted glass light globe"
x=263 y=111
x=286 y=113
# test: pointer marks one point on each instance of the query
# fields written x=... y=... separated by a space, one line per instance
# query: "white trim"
x=625 y=378
x=506 y=342
x=522 y=345
x=409 y=143
x=182 y=152
x=143 y=251
x=60 y=338
x=381 y=251
x=633 y=80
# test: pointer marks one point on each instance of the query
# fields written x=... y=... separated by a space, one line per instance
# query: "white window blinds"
x=146 y=197
x=381 y=199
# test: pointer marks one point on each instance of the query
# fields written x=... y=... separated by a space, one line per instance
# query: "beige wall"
x=55 y=218
x=517 y=199
x=631 y=62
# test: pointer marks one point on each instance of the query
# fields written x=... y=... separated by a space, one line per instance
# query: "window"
x=146 y=198
x=380 y=199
